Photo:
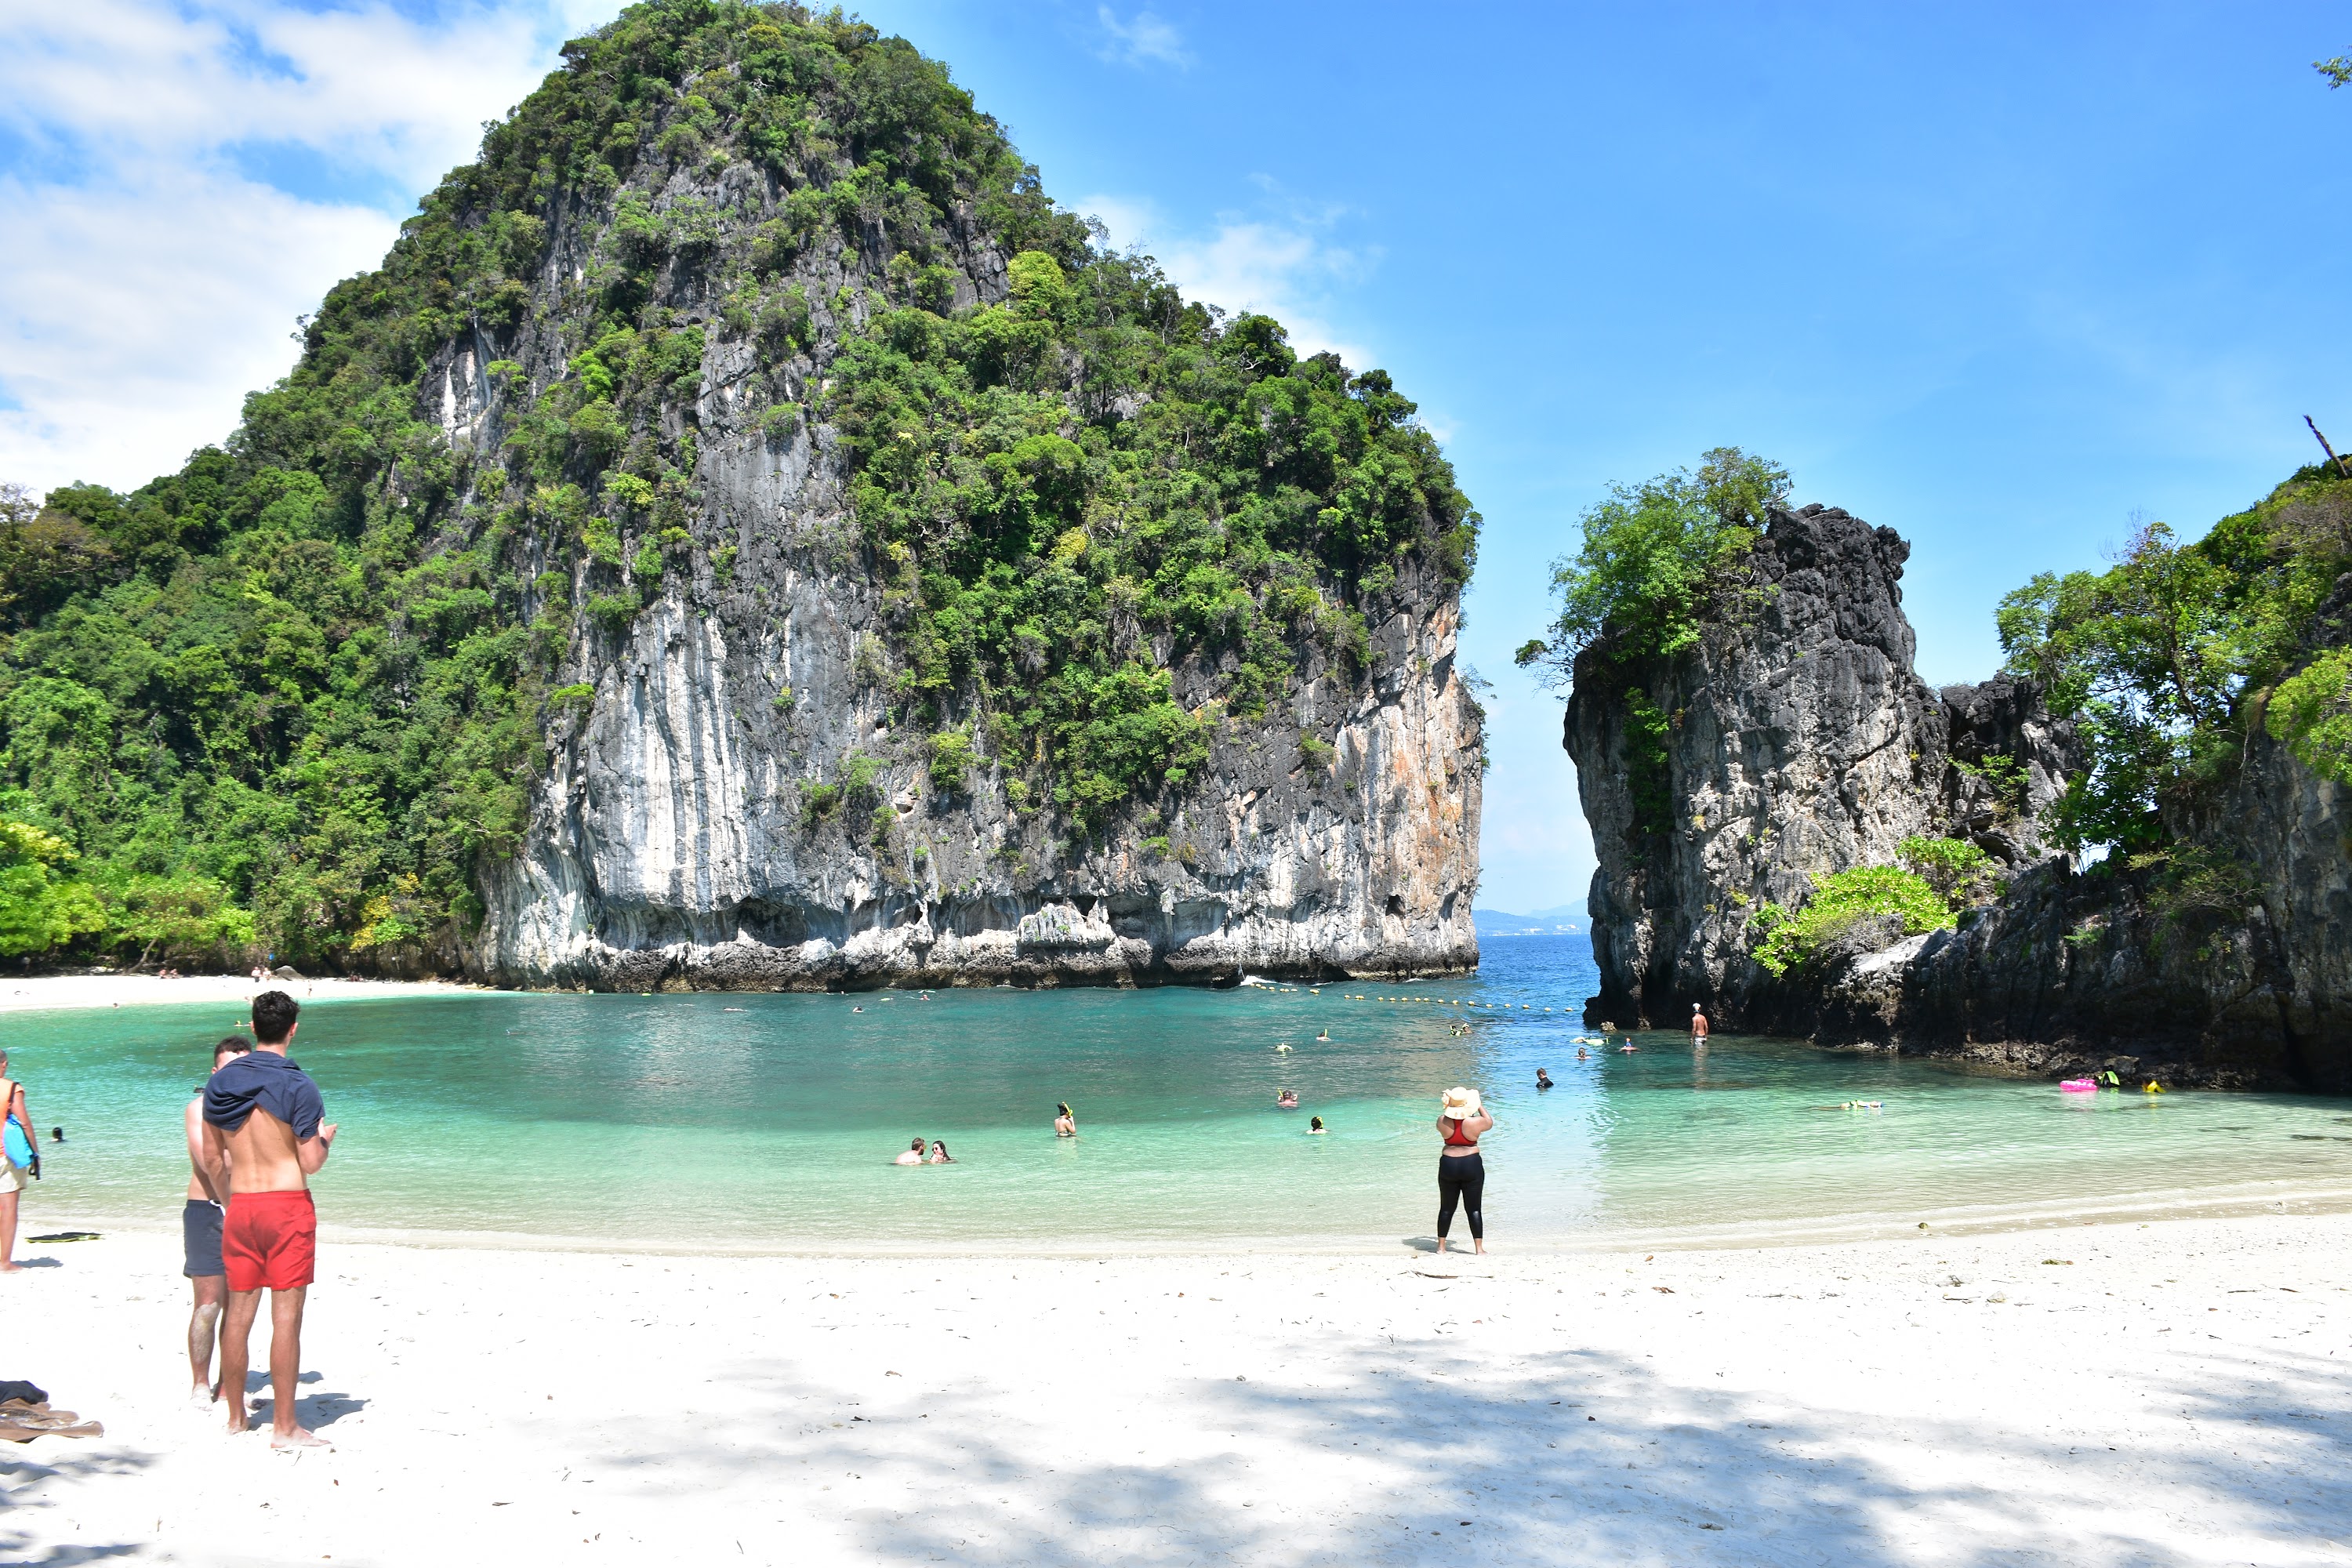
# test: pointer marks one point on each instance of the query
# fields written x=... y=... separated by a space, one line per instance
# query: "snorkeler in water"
x=1286 y=1100
x=1065 y=1125
x=1315 y=1124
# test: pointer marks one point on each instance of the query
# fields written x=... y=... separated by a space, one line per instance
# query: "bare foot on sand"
x=202 y=1397
x=299 y=1438
x=12 y=1268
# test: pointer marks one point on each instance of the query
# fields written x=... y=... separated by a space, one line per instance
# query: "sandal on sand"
x=21 y=1423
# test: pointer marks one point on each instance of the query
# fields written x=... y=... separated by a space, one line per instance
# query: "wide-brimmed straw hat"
x=1460 y=1104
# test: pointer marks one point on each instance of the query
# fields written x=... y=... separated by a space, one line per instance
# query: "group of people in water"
x=1463 y=1119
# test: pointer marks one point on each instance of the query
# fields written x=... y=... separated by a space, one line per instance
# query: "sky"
x=2001 y=276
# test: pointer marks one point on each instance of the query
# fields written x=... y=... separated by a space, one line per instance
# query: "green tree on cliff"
x=1649 y=558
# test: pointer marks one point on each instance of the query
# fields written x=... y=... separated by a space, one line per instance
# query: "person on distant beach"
x=912 y=1154
x=20 y=1155
x=200 y=1239
x=1543 y=1078
x=1699 y=1027
x=939 y=1156
x=1315 y=1124
x=266 y=1134
x=1461 y=1120
x=1286 y=1100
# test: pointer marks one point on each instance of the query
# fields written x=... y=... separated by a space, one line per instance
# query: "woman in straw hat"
x=1461 y=1120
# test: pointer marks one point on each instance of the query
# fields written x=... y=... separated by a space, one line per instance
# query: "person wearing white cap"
x=1462 y=1119
x=1698 y=1026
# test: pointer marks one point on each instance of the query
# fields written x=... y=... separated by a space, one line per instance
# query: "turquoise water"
x=768 y=1122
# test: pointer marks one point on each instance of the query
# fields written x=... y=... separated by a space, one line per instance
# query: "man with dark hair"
x=265 y=1136
x=200 y=1237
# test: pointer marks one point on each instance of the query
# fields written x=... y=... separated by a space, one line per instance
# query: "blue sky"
x=1999 y=277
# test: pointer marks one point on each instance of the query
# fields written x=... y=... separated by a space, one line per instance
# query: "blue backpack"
x=20 y=1146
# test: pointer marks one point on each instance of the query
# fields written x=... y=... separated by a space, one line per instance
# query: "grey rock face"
x=1800 y=742
x=730 y=809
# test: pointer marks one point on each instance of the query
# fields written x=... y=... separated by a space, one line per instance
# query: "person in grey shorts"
x=199 y=1234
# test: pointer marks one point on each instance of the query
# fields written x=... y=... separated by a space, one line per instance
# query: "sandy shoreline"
x=46 y=993
x=2167 y=1392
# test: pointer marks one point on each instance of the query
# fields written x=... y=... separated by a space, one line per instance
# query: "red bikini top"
x=1454 y=1135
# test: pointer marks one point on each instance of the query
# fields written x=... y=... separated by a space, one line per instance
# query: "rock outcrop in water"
x=745 y=534
x=1797 y=741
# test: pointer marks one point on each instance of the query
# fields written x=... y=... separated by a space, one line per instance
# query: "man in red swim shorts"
x=263 y=1119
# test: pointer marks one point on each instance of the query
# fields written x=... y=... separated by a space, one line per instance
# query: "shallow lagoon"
x=712 y=1121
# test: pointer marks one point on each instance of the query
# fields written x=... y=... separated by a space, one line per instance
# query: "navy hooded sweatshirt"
x=268 y=1081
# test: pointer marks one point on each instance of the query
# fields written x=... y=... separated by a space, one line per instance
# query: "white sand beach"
x=2167 y=1393
x=39 y=992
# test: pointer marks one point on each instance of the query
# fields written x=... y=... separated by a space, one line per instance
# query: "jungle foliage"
x=1838 y=902
x=1650 y=557
x=293 y=695
x=2175 y=656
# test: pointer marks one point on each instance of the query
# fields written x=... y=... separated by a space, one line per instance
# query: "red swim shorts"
x=271 y=1241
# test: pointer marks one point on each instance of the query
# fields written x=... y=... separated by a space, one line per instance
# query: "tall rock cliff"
x=747 y=535
x=1795 y=741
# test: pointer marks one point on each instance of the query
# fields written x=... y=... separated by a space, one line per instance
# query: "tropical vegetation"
x=295 y=695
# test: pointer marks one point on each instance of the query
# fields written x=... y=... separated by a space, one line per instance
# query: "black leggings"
x=1462 y=1177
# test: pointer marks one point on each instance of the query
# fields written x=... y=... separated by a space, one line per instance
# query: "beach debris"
x=2058 y=1262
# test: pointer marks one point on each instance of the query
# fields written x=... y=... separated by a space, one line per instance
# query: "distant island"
x=1561 y=919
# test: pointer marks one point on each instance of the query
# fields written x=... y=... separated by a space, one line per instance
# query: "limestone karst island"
x=1051 y=784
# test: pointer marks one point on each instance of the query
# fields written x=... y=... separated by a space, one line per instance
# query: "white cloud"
x=1148 y=37
x=1284 y=265
x=153 y=267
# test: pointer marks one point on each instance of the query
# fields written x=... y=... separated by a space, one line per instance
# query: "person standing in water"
x=20 y=1154
x=912 y=1154
x=200 y=1239
x=1065 y=1125
x=265 y=1135
x=1461 y=1120
x=1699 y=1027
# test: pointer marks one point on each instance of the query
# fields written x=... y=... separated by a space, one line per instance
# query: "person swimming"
x=1543 y=1076
x=911 y=1155
x=1315 y=1124
x=1582 y=1055
x=1628 y=1046
x=1066 y=1124
x=1326 y=1035
x=1286 y=1100
x=939 y=1156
